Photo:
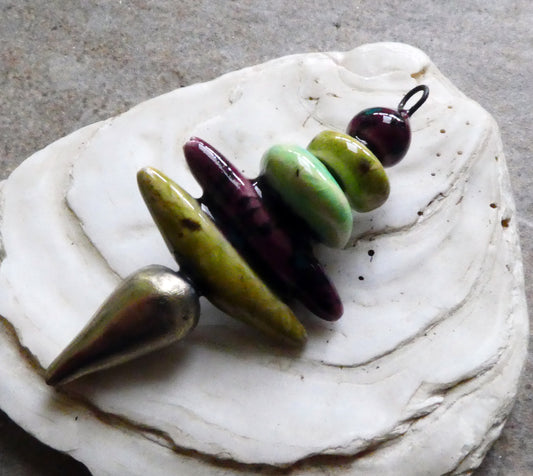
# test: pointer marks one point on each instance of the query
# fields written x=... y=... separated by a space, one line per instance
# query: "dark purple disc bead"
x=384 y=131
x=234 y=201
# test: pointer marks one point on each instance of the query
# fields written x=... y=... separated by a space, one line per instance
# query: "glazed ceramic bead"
x=255 y=230
x=357 y=170
x=384 y=131
x=212 y=263
x=311 y=192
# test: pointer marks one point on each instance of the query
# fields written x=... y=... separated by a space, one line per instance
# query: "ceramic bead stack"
x=239 y=236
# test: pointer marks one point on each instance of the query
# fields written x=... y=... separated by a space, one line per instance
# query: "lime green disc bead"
x=310 y=191
x=356 y=169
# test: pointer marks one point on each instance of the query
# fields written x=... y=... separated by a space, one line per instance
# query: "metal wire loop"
x=409 y=112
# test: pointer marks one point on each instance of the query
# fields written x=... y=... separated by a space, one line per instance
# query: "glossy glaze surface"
x=217 y=270
x=311 y=192
x=234 y=200
x=358 y=172
x=384 y=131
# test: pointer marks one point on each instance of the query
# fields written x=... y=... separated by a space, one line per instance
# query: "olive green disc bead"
x=311 y=192
x=214 y=266
x=357 y=170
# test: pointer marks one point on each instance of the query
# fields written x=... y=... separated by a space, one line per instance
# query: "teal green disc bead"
x=311 y=192
x=357 y=170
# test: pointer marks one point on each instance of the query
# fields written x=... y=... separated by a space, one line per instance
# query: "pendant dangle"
x=246 y=244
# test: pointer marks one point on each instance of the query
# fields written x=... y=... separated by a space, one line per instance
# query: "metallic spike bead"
x=152 y=308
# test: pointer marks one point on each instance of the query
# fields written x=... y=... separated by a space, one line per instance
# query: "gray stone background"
x=65 y=64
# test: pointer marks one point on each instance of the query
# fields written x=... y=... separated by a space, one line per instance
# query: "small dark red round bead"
x=386 y=132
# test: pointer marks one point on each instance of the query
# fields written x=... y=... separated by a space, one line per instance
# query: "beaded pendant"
x=246 y=244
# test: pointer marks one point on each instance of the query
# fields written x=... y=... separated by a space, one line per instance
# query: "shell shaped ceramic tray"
x=417 y=377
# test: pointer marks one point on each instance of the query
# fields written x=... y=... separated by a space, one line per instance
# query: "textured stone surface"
x=63 y=68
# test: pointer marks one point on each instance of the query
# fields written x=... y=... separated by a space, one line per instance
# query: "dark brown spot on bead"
x=420 y=213
x=493 y=205
x=364 y=167
x=361 y=278
x=505 y=222
x=443 y=131
x=191 y=225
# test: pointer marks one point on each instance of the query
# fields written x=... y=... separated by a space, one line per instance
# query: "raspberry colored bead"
x=233 y=200
x=384 y=131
